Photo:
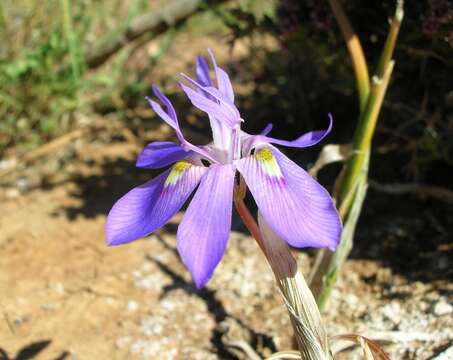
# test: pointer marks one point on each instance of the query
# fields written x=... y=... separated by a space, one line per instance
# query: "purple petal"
x=230 y=112
x=204 y=230
x=224 y=84
x=267 y=129
x=309 y=139
x=169 y=116
x=170 y=109
x=163 y=114
x=202 y=102
x=171 y=119
x=213 y=92
x=297 y=208
x=223 y=81
x=159 y=154
x=148 y=207
x=203 y=76
x=208 y=105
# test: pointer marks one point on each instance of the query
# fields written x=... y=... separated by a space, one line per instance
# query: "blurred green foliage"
x=34 y=96
x=42 y=69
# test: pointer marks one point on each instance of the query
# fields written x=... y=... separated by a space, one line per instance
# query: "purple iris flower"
x=297 y=208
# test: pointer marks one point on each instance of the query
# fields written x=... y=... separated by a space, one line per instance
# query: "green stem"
x=351 y=193
x=390 y=43
x=352 y=182
x=333 y=261
x=363 y=135
x=355 y=51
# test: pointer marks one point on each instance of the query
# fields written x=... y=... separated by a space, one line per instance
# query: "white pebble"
x=442 y=308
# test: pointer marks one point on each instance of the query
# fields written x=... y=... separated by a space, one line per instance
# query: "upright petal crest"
x=202 y=69
x=223 y=80
x=221 y=106
x=170 y=117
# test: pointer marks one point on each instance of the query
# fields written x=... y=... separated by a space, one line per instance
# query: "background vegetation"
x=46 y=79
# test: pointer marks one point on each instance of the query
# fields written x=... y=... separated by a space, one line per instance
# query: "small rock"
x=12 y=193
x=147 y=267
x=442 y=308
x=122 y=342
x=7 y=164
x=110 y=301
x=23 y=183
x=22 y=319
x=153 y=325
x=351 y=300
x=392 y=312
x=132 y=306
x=58 y=287
x=49 y=307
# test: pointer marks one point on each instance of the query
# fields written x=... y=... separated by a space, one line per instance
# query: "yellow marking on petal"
x=180 y=166
x=268 y=162
x=265 y=155
x=177 y=172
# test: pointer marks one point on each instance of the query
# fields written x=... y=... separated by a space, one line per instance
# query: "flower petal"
x=204 y=230
x=171 y=119
x=221 y=133
x=297 y=208
x=267 y=129
x=168 y=116
x=163 y=114
x=170 y=109
x=159 y=154
x=146 y=208
x=210 y=106
x=202 y=68
x=309 y=139
x=229 y=112
x=223 y=81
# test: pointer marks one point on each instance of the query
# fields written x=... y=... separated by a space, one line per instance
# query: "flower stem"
x=249 y=221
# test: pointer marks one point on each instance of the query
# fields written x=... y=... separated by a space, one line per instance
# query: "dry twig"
x=157 y=22
x=437 y=192
x=44 y=150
